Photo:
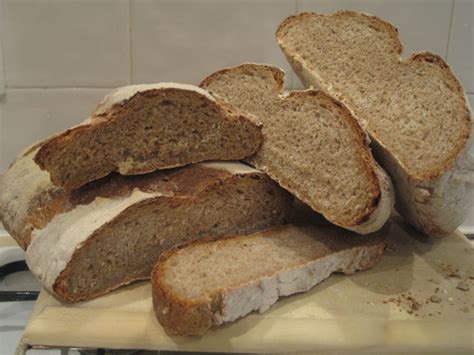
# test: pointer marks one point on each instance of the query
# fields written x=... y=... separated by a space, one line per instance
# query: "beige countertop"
x=411 y=300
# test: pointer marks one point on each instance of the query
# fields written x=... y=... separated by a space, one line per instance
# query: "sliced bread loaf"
x=207 y=283
x=137 y=129
x=121 y=224
x=312 y=146
x=414 y=109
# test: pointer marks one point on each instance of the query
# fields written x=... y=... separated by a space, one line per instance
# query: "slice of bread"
x=312 y=146
x=140 y=128
x=208 y=283
x=414 y=109
x=121 y=224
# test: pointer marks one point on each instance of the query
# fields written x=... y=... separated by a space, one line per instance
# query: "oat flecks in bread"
x=312 y=146
x=195 y=286
x=142 y=128
x=119 y=226
x=414 y=109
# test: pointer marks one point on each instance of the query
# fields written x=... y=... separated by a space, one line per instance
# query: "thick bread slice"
x=208 y=283
x=312 y=146
x=120 y=226
x=140 y=128
x=414 y=109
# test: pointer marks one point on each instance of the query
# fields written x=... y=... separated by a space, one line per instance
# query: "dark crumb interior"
x=155 y=129
x=127 y=250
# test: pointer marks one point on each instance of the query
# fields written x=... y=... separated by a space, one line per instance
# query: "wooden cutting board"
x=412 y=300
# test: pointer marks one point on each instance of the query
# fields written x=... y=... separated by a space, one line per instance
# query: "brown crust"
x=425 y=57
x=117 y=112
x=364 y=149
x=195 y=317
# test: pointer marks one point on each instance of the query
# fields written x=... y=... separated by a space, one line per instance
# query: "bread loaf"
x=137 y=129
x=28 y=198
x=414 y=109
x=312 y=146
x=208 y=283
x=121 y=224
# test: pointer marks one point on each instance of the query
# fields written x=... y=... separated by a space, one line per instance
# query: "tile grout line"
x=450 y=28
x=130 y=54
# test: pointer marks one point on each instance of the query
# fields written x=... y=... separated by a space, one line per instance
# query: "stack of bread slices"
x=194 y=186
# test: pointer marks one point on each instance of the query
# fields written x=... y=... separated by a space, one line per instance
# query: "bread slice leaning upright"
x=140 y=128
x=121 y=224
x=414 y=109
x=312 y=146
x=206 y=283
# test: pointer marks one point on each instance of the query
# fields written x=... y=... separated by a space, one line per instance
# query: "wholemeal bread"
x=137 y=129
x=312 y=146
x=414 y=109
x=208 y=283
x=121 y=224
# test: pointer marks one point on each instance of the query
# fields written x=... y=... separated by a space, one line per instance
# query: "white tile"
x=2 y=72
x=3 y=164
x=423 y=24
x=185 y=40
x=64 y=43
x=461 y=43
x=33 y=114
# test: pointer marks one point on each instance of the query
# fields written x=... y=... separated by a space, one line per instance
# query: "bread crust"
x=194 y=317
x=28 y=199
x=436 y=201
x=110 y=112
x=378 y=208
x=55 y=250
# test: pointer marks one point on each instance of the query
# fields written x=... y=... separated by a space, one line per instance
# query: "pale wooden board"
x=344 y=312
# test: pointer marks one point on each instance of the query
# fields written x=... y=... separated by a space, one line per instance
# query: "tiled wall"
x=59 y=57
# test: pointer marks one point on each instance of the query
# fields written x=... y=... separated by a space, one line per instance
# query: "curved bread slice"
x=140 y=128
x=415 y=109
x=312 y=146
x=121 y=225
x=207 y=283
